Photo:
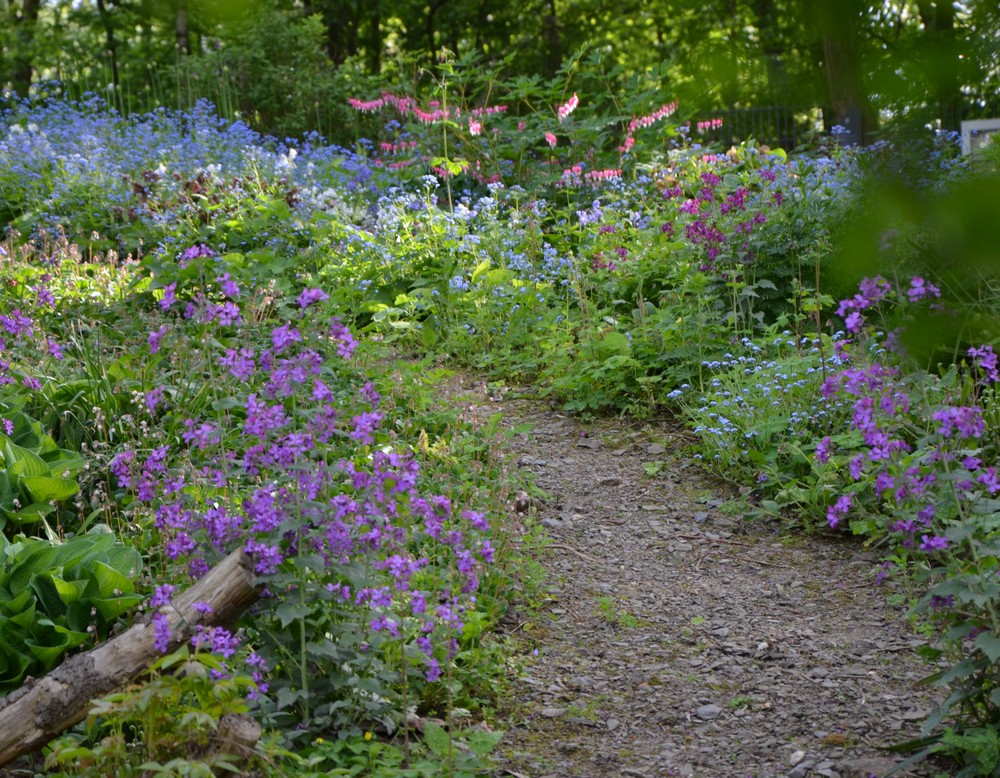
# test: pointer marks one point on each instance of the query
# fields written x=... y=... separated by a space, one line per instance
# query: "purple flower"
x=383 y=622
x=884 y=483
x=988 y=478
x=229 y=287
x=240 y=362
x=55 y=350
x=153 y=398
x=155 y=337
x=284 y=336
x=120 y=467
x=311 y=296
x=967 y=421
x=200 y=435
x=477 y=520
x=342 y=335
x=161 y=629
x=933 y=543
x=228 y=314
x=267 y=558
x=839 y=509
x=169 y=296
x=921 y=289
x=43 y=297
x=364 y=426
x=986 y=361
x=162 y=595
x=218 y=640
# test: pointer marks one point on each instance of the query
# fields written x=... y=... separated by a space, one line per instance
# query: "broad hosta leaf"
x=81 y=548
x=31 y=514
x=49 y=595
x=126 y=560
x=111 y=608
x=46 y=488
x=107 y=582
x=23 y=462
x=34 y=558
x=16 y=604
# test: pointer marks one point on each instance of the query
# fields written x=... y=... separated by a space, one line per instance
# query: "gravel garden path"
x=676 y=640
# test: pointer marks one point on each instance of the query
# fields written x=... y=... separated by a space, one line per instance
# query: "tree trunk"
x=181 y=31
x=838 y=24
x=374 y=39
x=552 y=58
x=942 y=73
x=111 y=44
x=25 y=23
x=34 y=714
x=773 y=49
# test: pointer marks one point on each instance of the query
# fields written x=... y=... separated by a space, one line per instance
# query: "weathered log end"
x=41 y=709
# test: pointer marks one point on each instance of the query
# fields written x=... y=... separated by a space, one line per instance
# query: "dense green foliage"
x=287 y=67
x=214 y=339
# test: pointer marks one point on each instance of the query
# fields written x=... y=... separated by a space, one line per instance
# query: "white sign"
x=978 y=132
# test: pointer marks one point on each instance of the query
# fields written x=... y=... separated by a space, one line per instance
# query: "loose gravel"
x=671 y=638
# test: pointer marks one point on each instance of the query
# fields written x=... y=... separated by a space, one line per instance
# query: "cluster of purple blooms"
x=297 y=474
x=707 y=228
x=920 y=479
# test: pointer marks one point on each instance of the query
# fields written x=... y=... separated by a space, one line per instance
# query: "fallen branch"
x=41 y=709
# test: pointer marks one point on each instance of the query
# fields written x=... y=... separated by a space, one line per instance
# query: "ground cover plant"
x=195 y=358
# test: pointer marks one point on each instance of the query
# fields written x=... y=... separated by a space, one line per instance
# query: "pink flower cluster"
x=407 y=105
x=398 y=148
x=486 y=110
x=663 y=112
x=402 y=104
x=709 y=124
x=641 y=122
x=594 y=176
x=568 y=107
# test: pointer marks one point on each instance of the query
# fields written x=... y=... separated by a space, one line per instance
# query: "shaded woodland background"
x=288 y=66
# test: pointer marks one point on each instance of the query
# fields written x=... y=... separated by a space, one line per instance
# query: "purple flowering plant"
x=368 y=575
x=916 y=471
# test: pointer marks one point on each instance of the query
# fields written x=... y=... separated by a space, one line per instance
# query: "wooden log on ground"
x=41 y=709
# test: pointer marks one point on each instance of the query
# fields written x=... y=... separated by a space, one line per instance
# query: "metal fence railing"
x=788 y=127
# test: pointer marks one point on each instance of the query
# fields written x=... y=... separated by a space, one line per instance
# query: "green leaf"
x=17 y=604
x=47 y=489
x=437 y=738
x=482 y=743
x=22 y=462
x=111 y=608
x=80 y=548
x=35 y=558
x=989 y=644
x=288 y=612
x=481 y=268
x=31 y=514
x=49 y=590
x=287 y=697
x=107 y=582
